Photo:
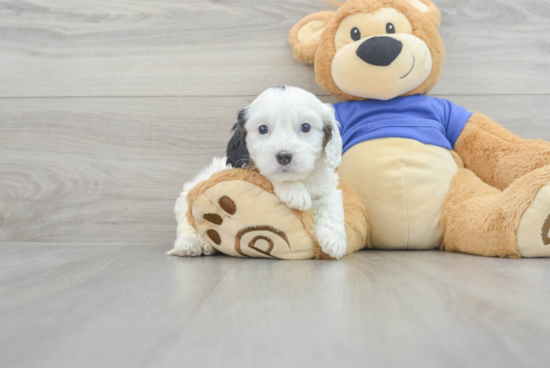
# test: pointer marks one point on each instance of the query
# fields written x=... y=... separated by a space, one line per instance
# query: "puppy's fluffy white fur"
x=290 y=121
x=188 y=242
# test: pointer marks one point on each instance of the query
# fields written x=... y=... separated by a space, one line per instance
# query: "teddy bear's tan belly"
x=403 y=184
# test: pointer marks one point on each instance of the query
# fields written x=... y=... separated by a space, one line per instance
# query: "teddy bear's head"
x=377 y=49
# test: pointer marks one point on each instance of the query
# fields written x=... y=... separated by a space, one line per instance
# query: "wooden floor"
x=107 y=107
x=128 y=305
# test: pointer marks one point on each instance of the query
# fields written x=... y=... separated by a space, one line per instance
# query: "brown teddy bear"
x=429 y=173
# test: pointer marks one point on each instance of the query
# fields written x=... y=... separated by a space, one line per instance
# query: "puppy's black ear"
x=237 y=153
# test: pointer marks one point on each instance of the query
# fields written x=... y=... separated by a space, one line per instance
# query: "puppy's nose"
x=284 y=157
x=379 y=51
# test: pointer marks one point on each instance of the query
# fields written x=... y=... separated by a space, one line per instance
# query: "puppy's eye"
x=390 y=28
x=355 y=34
x=305 y=128
x=263 y=129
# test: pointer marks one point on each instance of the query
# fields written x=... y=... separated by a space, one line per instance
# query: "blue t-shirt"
x=426 y=119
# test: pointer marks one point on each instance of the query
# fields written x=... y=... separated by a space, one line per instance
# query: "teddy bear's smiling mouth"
x=412 y=67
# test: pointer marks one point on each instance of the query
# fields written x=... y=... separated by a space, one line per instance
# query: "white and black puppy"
x=292 y=139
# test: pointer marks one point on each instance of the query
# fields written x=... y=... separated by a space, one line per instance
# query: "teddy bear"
x=419 y=172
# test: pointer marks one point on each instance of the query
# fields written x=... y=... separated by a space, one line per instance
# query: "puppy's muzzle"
x=379 y=51
x=284 y=157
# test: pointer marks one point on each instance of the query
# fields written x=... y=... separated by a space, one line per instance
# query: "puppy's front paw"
x=332 y=239
x=207 y=249
x=296 y=198
x=186 y=245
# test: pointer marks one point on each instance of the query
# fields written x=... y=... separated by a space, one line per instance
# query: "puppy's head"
x=286 y=132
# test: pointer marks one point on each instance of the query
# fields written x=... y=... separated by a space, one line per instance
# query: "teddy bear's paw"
x=243 y=220
x=187 y=245
x=533 y=234
x=332 y=238
x=258 y=238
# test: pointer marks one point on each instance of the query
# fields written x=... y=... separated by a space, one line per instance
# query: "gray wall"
x=106 y=108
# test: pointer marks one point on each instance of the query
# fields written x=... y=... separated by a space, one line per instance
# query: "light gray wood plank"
x=110 y=169
x=121 y=162
x=200 y=48
x=129 y=305
x=522 y=279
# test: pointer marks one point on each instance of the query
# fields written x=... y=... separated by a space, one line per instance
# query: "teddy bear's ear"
x=429 y=9
x=305 y=36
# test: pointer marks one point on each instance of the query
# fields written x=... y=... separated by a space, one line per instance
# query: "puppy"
x=292 y=139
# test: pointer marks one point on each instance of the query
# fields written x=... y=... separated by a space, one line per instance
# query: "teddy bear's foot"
x=534 y=228
x=241 y=219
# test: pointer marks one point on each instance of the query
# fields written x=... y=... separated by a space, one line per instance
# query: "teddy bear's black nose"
x=379 y=51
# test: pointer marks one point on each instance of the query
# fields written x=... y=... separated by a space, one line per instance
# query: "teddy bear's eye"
x=355 y=34
x=390 y=28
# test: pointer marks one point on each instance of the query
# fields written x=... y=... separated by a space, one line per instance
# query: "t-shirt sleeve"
x=453 y=118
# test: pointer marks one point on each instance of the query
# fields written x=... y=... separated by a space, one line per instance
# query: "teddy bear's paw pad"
x=214 y=236
x=534 y=228
x=228 y=205
x=240 y=219
x=213 y=218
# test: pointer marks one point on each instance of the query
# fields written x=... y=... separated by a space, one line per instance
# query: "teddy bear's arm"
x=496 y=155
